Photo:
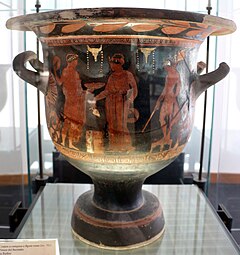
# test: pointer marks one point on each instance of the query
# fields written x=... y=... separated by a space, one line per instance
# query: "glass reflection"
x=191 y=225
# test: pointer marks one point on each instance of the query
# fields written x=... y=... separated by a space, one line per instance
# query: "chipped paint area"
x=222 y=28
x=89 y=12
x=67 y=15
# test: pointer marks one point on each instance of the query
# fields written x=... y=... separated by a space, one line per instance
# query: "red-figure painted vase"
x=120 y=86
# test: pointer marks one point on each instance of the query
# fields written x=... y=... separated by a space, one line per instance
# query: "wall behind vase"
x=226 y=131
x=12 y=97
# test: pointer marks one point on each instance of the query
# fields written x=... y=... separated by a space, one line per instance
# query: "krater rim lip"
x=28 y=22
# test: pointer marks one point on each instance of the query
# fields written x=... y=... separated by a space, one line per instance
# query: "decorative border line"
x=119 y=159
x=113 y=39
x=120 y=248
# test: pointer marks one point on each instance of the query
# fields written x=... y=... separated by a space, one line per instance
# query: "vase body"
x=131 y=104
x=120 y=91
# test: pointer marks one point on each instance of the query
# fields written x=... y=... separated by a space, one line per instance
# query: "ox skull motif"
x=94 y=51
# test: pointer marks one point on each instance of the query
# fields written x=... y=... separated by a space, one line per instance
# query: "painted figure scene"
x=119 y=98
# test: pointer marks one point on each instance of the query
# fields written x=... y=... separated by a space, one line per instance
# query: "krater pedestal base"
x=117 y=229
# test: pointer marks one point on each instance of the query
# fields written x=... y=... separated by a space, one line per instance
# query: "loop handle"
x=203 y=82
x=38 y=79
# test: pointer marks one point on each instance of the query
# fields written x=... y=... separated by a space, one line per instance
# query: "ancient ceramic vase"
x=120 y=86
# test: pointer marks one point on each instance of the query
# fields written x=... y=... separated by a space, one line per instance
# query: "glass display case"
x=192 y=226
x=13 y=129
x=19 y=150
